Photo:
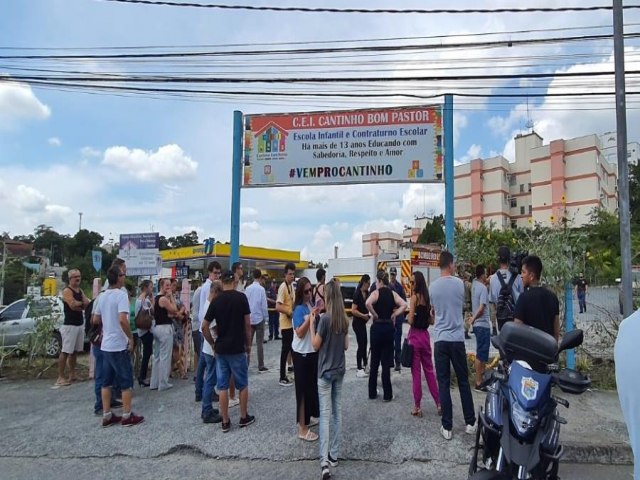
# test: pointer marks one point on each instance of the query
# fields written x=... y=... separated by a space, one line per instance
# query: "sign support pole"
x=447 y=126
x=236 y=184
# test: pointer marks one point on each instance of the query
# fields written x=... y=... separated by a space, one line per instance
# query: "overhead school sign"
x=392 y=145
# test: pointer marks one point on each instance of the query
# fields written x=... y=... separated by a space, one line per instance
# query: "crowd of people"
x=225 y=319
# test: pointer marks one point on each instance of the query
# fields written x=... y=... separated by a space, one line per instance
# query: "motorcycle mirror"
x=571 y=339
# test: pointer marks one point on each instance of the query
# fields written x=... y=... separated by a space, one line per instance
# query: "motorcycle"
x=518 y=435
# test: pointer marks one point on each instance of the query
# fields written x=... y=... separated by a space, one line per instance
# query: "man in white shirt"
x=117 y=341
x=214 y=269
x=257 y=297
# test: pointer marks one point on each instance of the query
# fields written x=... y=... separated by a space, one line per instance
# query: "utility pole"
x=80 y=222
x=623 y=165
x=4 y=263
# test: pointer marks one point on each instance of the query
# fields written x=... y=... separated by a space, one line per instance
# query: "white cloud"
x=29 y=199
x=169 y=162
x=248 y=212
x=473 y=152
x=18 y=103
x=322 y=235
x=54 y=142
x=253 y=226
x=90 y=152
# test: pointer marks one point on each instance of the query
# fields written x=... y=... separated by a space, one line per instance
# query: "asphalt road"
x=194 y=466
x=53 y=434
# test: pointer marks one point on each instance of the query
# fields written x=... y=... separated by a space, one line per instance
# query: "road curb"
x=615 y=454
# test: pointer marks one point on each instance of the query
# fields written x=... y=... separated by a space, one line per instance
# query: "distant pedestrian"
x=284 y=305
x=208 y=413
x=145 y=301
x=385 y=306
x=117 y=341
x=480 y=322
x=238 y=271
x=72 y=330
x=257 y=298
x=305 y=360
x=360 y=316
x=318 y=290
x=420 y=318
x=330 y=337
x=274 y=324
x=447 y=300
x=581 y=292
x=625 y=353
x=232 y=347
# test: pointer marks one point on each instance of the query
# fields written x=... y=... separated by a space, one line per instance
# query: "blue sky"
x=132 y=164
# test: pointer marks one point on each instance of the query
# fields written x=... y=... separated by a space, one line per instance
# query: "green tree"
x=82 y=242
x=49 y=243
x=634 y=193
x=187 y=240
x=433 y=231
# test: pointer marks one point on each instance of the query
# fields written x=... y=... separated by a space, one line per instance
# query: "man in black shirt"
x=537 y=306
x=581 y=293
x=232 y=346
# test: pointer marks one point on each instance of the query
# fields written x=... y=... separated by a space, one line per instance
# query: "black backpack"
x=505 y=307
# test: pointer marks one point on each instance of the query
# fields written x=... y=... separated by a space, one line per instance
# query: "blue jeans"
x=329 y=394
x=98 y=376
x=200 y=370
x=274 y=325
x=209 y=383
x=445 y=355
x=582 y=301
x=236 y=365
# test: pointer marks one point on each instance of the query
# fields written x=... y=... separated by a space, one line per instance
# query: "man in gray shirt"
x=480 y=322
x=447 y=300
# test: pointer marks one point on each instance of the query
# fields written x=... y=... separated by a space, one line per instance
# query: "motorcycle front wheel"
x=488 y=475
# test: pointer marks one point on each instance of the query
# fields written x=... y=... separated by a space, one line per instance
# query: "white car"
x=18 y=319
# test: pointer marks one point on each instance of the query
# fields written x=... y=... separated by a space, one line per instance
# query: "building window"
x=514 y=202
x=529 y=187
x=530 y=209
x=512 y=180
x=522 y=188
x=522 y=210
x=514 y=224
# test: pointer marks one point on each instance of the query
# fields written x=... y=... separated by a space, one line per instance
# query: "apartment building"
x=381 y=243
x=610 y=149
x=563 y=179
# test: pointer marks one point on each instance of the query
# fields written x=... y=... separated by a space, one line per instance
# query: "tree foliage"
x=187 y=240
x=433 y=231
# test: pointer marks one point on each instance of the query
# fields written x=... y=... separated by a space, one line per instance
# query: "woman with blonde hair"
x=330 y=337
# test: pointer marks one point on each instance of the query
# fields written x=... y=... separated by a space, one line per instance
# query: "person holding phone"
x=305 y=361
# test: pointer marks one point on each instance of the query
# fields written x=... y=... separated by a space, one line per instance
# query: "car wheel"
x=54 y=346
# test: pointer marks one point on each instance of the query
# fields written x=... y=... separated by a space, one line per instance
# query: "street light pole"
x=623 y=165
x=80 y=222
x=4 y=263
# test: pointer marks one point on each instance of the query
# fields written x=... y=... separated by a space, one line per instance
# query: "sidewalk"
x=38 y=421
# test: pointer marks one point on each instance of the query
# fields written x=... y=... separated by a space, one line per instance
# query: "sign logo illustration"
x=529 y=388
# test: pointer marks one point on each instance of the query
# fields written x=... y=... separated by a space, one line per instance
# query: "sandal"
x=309 y=436
x=416 y=412
x=63 y=383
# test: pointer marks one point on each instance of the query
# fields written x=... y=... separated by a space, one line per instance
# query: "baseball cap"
x=228 y=275
x=393 y=271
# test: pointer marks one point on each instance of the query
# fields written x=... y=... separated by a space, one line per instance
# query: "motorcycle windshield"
x=530 y=388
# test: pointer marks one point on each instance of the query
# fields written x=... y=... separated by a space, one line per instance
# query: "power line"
x=372 y=10
x=333 y=50
x=290 y=80
x=321 y=42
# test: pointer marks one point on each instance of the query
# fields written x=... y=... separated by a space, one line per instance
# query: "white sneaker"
x=360 y=373
x=447 y=434
x=233 y=402
x=471 y=429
